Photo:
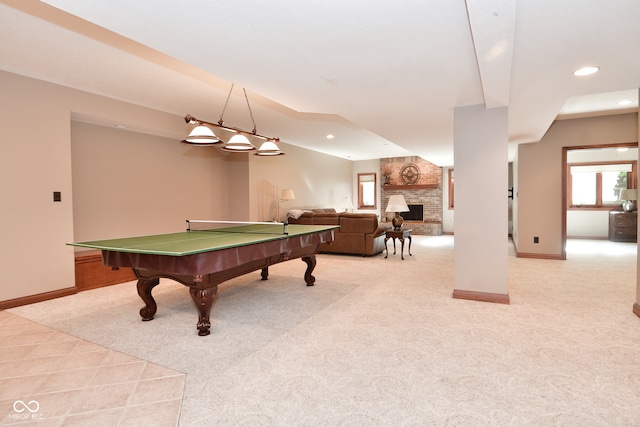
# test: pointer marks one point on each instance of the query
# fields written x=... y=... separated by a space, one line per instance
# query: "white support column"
x=636 y=306
x=481 y=205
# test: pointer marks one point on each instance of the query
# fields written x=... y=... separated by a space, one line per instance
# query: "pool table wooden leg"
x=311 y=264
x=204 y=299
x=144 y=290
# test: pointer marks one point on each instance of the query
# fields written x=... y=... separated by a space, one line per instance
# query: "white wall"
x=318 y=181
x=539 y=183
x=35 y=161
x=128 y=183
x=367 y=166
x=594 y=224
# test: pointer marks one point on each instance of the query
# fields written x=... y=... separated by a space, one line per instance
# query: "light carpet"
x=381 y=342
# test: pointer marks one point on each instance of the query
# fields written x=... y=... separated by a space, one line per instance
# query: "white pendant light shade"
x=269 y=148
x=201 y=135
x=238 y=143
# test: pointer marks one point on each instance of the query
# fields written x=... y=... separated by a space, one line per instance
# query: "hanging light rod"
x=202 y=134
x=192 y=120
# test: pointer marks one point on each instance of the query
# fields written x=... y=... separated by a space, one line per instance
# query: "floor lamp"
x=346 y=204
x=286 y=195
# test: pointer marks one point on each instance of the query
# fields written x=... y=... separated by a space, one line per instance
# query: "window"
x=598 y=185
x=367 y=195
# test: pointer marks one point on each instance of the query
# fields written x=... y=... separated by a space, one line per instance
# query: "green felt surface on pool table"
x=193 y=242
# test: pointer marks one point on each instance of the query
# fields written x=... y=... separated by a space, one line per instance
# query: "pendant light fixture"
x=203 y=135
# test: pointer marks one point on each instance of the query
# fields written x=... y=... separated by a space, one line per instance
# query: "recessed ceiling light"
x=625 y=102
x=330 y=136
x=585 y=71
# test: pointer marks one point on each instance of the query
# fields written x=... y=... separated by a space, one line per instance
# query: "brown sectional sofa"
x=359 y=233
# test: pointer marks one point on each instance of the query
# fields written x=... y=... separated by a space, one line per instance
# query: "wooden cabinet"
x=623 y=226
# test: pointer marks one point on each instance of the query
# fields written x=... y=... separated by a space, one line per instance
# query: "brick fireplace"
x=420 y=182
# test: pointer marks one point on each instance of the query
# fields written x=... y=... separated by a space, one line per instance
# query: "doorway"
x=591 y=183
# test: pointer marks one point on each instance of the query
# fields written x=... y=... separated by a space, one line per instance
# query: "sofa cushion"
x=300 y=217
x=324 y=211
x=314 y=217
x=358 y=223
x=297 y=213
x=326 y=218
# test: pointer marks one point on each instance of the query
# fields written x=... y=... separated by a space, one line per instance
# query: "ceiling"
x=382 y=76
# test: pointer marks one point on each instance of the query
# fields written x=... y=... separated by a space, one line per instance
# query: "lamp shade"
x=238 y=143
x=287 y=195
x=346 y=204
x=269 y=148
x=397 y=204
x=201 y=135
x=629 y=194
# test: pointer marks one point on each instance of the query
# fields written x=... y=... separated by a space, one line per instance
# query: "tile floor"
x=55 y=379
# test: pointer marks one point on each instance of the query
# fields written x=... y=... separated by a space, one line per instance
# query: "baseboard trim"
x=636 y=309
x=481 y=296
x=540 y=256
x=16 y=302
x=588 y=237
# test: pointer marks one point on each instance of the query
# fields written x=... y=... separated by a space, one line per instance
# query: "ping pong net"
x=273 y=228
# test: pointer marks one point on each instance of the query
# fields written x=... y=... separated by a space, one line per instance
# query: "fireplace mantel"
x=411 y=187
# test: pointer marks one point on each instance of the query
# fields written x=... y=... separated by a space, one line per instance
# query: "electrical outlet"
x=57 y=196
x=536 y=239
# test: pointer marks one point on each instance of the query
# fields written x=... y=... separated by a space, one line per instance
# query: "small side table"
x=400 y=235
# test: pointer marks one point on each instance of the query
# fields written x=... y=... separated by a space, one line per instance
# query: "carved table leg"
x=204 y=299
x=144 y=290
x=311 y=264
x=264 y=273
